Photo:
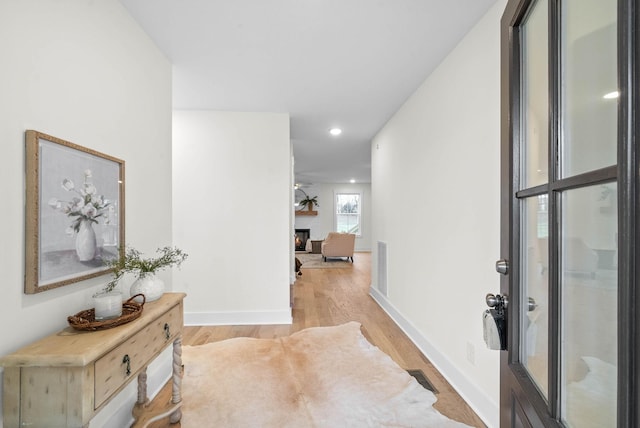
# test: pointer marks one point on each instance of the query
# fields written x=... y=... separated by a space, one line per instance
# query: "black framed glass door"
x=569 y=213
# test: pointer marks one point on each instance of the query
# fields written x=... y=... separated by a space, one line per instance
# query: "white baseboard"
x=238 y=318
x=486 y=409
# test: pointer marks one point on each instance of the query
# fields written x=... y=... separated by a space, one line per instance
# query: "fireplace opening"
x=301 y=238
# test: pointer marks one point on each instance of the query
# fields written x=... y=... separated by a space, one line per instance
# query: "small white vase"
x=107 y=305
x=86 y=242
x=151 y=286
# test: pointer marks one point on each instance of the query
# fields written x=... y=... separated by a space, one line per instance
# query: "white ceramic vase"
x=108 y=305
x=151 y=286
x=86 y=242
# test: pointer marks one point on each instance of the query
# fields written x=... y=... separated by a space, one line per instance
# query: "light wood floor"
x=326 y=297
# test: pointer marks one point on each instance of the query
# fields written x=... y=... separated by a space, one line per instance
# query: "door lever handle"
x=495 y=322
x=497 y=301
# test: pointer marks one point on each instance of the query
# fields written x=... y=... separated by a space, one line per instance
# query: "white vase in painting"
x=150 y=285
x=86 y=242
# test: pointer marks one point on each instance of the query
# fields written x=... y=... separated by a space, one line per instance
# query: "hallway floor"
x=326 y=297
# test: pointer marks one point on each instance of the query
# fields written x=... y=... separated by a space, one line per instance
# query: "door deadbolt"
x=502 y=266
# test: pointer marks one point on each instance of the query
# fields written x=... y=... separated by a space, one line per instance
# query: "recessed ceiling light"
x=611 y=95
x=353 y=180
x=335 y=131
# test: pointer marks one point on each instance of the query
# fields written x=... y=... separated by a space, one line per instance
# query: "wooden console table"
x=64 y=379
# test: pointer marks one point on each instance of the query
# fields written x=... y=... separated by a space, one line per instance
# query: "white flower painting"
x=77 y=195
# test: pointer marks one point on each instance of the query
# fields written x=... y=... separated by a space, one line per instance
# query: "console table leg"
x=142 y=386
x=176 y=396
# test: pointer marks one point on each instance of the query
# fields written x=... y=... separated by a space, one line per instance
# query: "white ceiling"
x=345 y=63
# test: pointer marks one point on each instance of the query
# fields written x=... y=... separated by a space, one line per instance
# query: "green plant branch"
x=133 y=262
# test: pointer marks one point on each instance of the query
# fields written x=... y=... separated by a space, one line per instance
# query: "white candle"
x=108 y=305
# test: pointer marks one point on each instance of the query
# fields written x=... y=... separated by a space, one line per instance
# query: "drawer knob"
x=167 y=331
x=126 y=360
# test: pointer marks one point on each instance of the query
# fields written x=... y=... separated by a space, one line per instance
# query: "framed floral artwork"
x=74 y=212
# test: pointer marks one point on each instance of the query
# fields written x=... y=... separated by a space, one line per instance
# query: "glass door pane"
x=535 y=96
x=589 y=85
x=589 y=286
x=534 y=336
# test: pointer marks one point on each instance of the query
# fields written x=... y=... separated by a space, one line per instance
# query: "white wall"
x=232 y=207
x=324 y=222
x=436 y=191
x=83 y=71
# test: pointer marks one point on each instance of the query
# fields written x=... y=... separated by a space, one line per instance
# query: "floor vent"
x=422 y=380
x=382 y=268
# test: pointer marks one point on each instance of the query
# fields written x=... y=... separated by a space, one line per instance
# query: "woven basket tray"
x=86 y=320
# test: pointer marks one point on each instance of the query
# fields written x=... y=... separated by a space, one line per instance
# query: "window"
x=348 y=213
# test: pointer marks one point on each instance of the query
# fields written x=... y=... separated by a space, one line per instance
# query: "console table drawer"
x=114 y=369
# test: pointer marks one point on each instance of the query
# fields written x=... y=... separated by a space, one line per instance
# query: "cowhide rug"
x=319 y=377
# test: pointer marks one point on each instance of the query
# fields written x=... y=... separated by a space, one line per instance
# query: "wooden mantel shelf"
x=306 y=212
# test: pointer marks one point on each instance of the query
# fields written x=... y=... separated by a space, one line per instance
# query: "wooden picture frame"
x=74 y=218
